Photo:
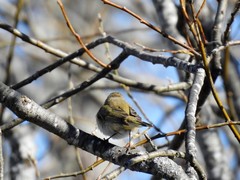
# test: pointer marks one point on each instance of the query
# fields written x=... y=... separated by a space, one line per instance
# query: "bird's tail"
x=146 y=124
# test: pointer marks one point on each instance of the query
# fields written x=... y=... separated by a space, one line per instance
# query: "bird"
x=116 y=118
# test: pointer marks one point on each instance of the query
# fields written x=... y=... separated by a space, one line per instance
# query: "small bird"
x=116 y=118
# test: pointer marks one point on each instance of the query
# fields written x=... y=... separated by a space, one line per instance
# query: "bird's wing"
x=132 y=112
x=117 y=112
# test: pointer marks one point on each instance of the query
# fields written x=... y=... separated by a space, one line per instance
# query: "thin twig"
x=143 y=21
x=78 y=37
x=230 y=21
x=74 y=174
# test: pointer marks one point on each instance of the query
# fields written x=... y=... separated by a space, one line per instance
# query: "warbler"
x=116 y=118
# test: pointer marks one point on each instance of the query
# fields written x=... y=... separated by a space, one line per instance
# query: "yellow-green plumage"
x=116 y=118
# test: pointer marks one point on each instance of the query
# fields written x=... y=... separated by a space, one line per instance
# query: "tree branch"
x=26 y=108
